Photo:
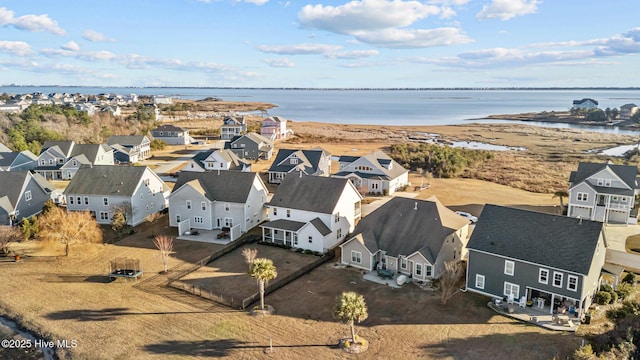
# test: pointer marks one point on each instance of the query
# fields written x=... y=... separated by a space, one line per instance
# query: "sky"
x=321 y=43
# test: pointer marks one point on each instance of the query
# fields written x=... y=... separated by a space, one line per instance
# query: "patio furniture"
x=523 y=302
x=510 y=299
x=540 y=302
x=385 y=273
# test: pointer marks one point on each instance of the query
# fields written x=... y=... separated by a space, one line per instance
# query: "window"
x=178 y=218
x=339 y=233
x=403 y=263
x=105 y=201
x=275 y=211
x=198 y=219
x=557 y=279
x=27 y=195
x=78 y=200
x=295 y=239
x=337 y=217
x=479 y=281
x=607 y=182
x=310 y=239
x=228 y=222
x=356 y=257
x=294 y=161
x=543 y=276
x=104 y=215
x=50 y=161
x=203 y=206
x=227 y=207
x=188 y=204
x=572 y=282
x=600 y=182
x=86 y=200
x=428 y=270
x=418 y=269
x=288 y=213
x=70 y=200
x=582 y=196
x=509 y=267
x=510 y=288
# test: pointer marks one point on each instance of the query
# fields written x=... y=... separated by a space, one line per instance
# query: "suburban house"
x=125 y=155
x=604 y=192
x=232 y=127
x=62 y=159
x=103 y=190
x=373 y=173
x=627 y=111
x=172 y=135
x=23 y=195
x=408 y=236
x=586 y=103
x=315 y=162
x=275 y=128
x=138 y=143
x=312 y=212
x=551 y=261
x=217 y=159
x=216 y=200
x=251 y=146
x=114 y=110
x=13 y=160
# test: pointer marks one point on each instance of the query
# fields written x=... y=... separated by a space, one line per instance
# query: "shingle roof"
x=403 y=226
x=320 y=226
x=577 y=102
x=550 y=240
x=226 y=154
x=13 y=183
x=65 y=147
x=89 y=150
x=627 y=173
x=127 y=140
x=380 y=160
x=310 y=159
x=231 y=186
x=169 y=127
x=284 y=224
x=106 y=180
x=310 y=193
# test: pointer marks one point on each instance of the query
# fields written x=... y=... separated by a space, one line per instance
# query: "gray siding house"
x=604 y=192
x=315 y=162
x=140 y=144
x=232 y=127
x=550 y=260
x=217 y=159
x=172 y=135
x=62 y=159
x=412 y=237
x=22 y=195
x=373 y=173
x=251 y=146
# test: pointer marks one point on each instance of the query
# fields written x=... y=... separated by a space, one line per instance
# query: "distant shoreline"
x=560 y=118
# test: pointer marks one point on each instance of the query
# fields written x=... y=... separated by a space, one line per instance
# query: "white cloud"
x=33 y=23
x=353 y=54
x=507 y=9
x=401 y=38
x=257 y=2
x=299 y=49
x=70 y=46
x=95 y=36
x=18 y=48
x=279 y=62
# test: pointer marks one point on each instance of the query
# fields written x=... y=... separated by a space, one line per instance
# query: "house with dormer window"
x=604 y=192
x=139 y=145
x=251 y=146
x=373 y=173
x=60 y=160
x=217 y=159
x=315 y=162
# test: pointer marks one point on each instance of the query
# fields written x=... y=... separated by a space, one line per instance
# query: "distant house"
x=89 y=108
x=312 y=212
x=217 y=159
x=412 y=237
x=139 y=143
x=172 y=135
x=586 y=103
x=114 y=110
x=62 y=159
x=162 y=100
x=213 y=200
x=251 y=146
x=23 y=195
x=627 y=111
x=232 y=127
x=604 y=192
x=13 y=160
x=102 y=190
x=311 y=162
x=551 y=260
x=125 y=155
x=373 y=173
x=275 y=128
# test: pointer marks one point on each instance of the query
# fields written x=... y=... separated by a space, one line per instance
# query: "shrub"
x=630 y=278
x=606 y=287
x=603 y=297
x=614 y=297
x=625 y=290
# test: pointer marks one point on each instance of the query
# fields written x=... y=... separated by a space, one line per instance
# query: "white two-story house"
x=373 y=173
x=604 y=192
x=312 y=212
x=217 y=159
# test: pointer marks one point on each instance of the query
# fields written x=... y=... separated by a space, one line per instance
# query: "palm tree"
x=262 y=270
x=561 y=194
x=351 y=308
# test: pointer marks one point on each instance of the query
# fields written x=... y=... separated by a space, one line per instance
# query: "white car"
x=472 y=219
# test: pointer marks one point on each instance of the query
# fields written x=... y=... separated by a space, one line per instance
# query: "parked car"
x=472 y=219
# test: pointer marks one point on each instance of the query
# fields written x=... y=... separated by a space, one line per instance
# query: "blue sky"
x=321 y=43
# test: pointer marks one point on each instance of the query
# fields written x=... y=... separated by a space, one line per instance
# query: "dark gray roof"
x=577 y=102
x=65 y=147
x=89 y=150
x=627 y=173
x=227 y=154
x=403 y=226
x=231 y=186
x=321 y=226
x=310 y=193
x=348 y=158
x=169 y=127
x=550 y=240
x=127 y=140
x=13 y=183
x=106 y=180
x=362 y=175
x=7 y=158
x=284 y=224
x=310 y=159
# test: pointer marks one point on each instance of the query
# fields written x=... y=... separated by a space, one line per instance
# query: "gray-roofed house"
x=315 y=162
x=550 y=260
x=125 y=155
x=275 y=128
x=23 y=195
x=604 y=192
x=312 y=212
x=586 y=103
x=13 y=160
x=139 y=143
x=251 y=146
x=62 y=159
x=172 y=135
x=213 y=200
x=217 y=159
x=373 y=173
x=232 y=127
x=103 y=190
x=627 y=111
x=408 y=236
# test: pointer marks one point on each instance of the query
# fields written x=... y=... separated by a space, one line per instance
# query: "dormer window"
x=294 y=160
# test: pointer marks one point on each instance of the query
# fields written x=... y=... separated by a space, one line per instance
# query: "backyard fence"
x=224 y=299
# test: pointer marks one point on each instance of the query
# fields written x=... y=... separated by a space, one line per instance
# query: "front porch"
x=537 y=316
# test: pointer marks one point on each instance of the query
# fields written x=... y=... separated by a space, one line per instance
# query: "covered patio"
x=537 y=316
x=282 y=232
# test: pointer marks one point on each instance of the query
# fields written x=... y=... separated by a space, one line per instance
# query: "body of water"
x=386 y=107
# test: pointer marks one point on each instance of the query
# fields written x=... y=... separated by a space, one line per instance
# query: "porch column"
x=262 y=233
x=551 y=304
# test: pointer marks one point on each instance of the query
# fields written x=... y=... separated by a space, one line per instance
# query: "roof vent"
x=415 y=206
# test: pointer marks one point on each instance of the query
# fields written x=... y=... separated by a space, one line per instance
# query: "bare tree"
x=69 y=228
x=164 y=243
x=8 y=234
x=451 y=280
x=249 y=255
